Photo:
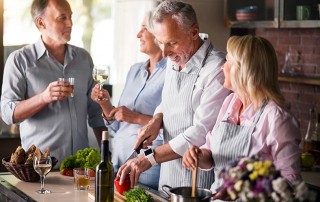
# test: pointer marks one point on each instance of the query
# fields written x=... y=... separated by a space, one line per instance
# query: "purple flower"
x=256 y=179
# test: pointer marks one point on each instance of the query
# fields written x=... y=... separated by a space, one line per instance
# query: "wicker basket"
x=24 y=172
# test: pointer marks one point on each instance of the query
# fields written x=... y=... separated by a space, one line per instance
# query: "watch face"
x=147 y=152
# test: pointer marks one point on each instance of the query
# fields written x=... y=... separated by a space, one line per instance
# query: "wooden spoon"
x=194 y=180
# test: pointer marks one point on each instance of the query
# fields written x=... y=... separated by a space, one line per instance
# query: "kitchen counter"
x=13 y=189
x=61 y=187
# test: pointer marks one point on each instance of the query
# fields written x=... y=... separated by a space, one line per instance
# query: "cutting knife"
x=135 y=152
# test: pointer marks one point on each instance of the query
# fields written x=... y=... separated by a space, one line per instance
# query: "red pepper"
x=124 y=187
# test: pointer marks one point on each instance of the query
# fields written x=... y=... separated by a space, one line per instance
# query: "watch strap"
x=151 y=159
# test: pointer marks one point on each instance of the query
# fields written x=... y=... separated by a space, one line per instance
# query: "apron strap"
x=208 y=51
x=257 y=116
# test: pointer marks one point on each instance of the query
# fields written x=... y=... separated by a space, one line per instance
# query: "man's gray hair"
x=182 y=12
x=37 y=8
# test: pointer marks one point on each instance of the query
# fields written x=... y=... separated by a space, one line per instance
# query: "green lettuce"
x=86 y=158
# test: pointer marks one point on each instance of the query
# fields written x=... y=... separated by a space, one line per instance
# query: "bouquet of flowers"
x=257 y=179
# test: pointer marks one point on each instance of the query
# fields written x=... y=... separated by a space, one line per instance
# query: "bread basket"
x=24 y=172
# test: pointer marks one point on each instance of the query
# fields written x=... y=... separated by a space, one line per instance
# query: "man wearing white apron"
x=192 y=96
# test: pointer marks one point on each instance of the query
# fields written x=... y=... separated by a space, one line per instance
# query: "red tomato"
x=124 y=187
x=69 y=173
x=92 y=173
x=66 y=172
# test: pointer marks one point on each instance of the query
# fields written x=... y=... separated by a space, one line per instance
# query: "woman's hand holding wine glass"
x=100 y=74
x=42 y=165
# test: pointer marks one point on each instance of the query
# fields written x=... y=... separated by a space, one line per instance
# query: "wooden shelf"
x=300 y=80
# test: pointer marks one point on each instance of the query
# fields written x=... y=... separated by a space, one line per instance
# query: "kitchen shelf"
x=300 y=80
x=266 y=15
x=271 y=14
x=287 y=14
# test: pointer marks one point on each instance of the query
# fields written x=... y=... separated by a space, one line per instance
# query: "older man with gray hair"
x=192 y=97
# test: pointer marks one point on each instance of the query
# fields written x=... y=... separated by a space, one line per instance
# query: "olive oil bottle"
x=104 y=189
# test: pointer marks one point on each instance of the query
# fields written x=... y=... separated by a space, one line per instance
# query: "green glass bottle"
x=104 y=189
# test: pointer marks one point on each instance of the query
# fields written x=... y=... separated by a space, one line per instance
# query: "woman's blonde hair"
x=255 y=75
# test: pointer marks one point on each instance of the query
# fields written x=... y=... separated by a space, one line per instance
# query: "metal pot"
x=183 y=194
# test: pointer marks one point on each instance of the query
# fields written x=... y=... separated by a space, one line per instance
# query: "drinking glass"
x=71 y=82
x=42 y=166
x=81 y=178
x=100 y=74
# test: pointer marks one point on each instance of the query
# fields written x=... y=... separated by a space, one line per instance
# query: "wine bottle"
x=104 y=189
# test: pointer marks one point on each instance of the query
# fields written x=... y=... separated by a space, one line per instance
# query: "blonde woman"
x=252 y=119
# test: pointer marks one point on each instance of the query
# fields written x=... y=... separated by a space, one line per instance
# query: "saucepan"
x=183 y=194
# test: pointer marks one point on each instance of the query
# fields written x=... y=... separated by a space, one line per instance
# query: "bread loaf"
x=22 y=157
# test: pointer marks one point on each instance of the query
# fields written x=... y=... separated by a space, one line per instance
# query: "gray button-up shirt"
x=62 y=125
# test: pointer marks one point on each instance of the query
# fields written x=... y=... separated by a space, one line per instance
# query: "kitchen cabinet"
x=287 y=14
x=269 y=14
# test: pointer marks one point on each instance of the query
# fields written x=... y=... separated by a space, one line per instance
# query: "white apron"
x=230 y=141
x=176 y=120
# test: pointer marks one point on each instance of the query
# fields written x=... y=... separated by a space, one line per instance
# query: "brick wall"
x=299 y=97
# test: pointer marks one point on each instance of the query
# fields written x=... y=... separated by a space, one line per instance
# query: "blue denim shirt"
x=142 y=95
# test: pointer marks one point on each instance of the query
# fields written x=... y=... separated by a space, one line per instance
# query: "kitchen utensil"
x=183 y=194
x=135 y=152
x=194 y=179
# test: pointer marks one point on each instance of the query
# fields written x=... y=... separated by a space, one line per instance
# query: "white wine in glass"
x=42 y=166
x=100 y=74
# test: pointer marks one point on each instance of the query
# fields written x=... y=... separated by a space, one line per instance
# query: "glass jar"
x=307 y=146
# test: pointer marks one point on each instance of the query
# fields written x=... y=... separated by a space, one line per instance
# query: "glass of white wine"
x=100 y=74
x=42 y=166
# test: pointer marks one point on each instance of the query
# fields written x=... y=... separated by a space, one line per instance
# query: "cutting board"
x=119 y=198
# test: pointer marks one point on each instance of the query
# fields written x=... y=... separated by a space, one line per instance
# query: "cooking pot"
x=183 y=194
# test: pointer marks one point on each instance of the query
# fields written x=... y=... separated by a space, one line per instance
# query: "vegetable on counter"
x=137 y=194
x=125 y=187
x=86 y=158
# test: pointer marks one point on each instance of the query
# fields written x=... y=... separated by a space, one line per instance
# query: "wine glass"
x=42 y=166
x=100 y=74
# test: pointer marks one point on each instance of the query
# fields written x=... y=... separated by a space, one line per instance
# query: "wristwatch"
x=148 y=153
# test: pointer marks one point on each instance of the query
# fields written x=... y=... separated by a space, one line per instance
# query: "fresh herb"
x=86 y=158
x=137 y=195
